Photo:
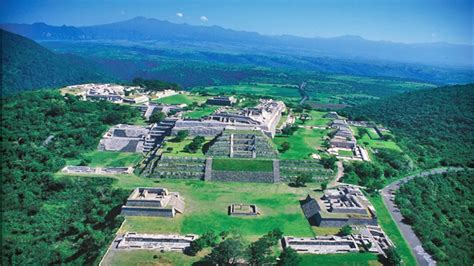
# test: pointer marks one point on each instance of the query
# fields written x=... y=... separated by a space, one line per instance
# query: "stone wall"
x=240 y=176
x=134 y=211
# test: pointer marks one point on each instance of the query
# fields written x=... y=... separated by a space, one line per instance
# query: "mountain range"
x=346 y=47
x=27 y=65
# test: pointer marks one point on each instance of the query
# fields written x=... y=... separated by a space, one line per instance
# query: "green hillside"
x=27 y=65
x=435 y=126
x=439 y=209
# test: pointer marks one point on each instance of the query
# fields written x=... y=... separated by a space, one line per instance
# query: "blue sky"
x=400 y=21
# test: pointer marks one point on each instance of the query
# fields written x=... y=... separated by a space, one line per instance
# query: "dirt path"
x=388 y=196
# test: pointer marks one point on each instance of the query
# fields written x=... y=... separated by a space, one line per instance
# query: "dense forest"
x=46 y=220
x=27 y=65
x=435 y=126
x=440 y=209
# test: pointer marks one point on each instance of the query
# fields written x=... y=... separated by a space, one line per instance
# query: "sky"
x=408 y=21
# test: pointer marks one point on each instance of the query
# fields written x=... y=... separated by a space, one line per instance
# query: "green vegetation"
x=390 y=228
x=242 y=165
x=69 y=220
x=370 y=139
x=345 y=153
x=157 y=117
x=207 y=207
x=434 y=126
x=106 y=159
x=27 y=65
x=182 y=99
x=154 y=85
x=149 y=257
x=439 y=209
x=254 y=89
x=200 y=112
x=172 y=148
x=314 y=118
x=349 y=259
x=303 y=143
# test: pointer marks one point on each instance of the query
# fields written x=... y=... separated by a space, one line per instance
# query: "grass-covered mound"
x=242 y=165
x=434 y=126
x=440 y=210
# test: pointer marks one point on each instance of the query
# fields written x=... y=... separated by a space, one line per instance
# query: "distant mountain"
x=27 y=65
x=353 y=47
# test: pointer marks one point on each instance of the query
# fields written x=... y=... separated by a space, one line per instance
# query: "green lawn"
x=257 y=89
x=317 y=119
x=350 y=259
x=178 y=148
x=373 y=141
x=182 y=98
x=201 y=112
x=109 y=159
x=345 y=153
x=242 y=165
x=148 y=257
x=207 y=205
x=391 y=229
x=303 y=143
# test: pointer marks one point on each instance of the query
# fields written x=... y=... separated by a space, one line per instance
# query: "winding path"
x=388 y=196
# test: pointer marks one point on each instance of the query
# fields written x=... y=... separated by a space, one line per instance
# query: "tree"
x=301 y=179
x=181 y=135
x=329 y=162
x=285 y=146
x=289 y=257
x=229 y=251
x=157 y=117
x=345 y=230
x=324 y=185
x=260 y=252
x=393 y=258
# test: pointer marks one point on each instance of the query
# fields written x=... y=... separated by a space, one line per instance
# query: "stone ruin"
x=243 y=210
x=159 y=242
x=242 y=144
x=153 y=202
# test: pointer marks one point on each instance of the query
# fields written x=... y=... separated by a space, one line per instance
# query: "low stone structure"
x=97 y=170
x=243 y=210
x=222 y=100
x=159 y=242
x=153 y=202
x=321 y=244
x=345 y=205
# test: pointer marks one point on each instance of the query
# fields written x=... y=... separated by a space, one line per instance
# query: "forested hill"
x=435 y=126
x=27 y=65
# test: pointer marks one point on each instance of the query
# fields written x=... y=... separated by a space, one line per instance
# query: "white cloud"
x=179 y=14
x=204 y=18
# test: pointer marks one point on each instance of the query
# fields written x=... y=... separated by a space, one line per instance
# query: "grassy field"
x=109 y=159
x=317 y=119
x=345 y=153
x=207 y=205
x=303 y=143
x=178 y=148
x=351 y=259
x=260 y=89
x=182 y=98
x=148 y=257
x=391 y=229
x=201 y=112
x=242 y=165
x=372 y=140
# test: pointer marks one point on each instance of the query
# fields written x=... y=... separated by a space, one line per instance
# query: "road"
x=422 y=257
